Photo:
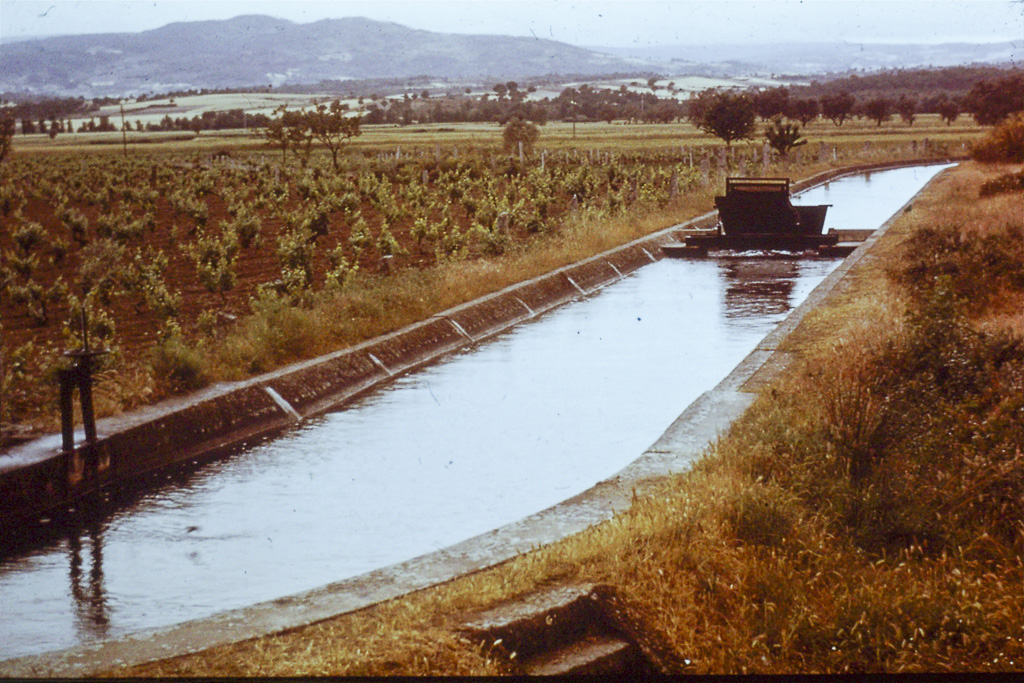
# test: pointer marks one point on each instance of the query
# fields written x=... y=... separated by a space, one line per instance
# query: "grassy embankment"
x=863 y=516
x=372 y=305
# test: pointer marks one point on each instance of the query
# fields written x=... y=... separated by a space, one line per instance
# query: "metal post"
x=67 y=409
x=80 y=375
x=85 y=396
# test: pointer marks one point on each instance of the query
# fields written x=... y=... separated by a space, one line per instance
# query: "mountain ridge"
x=256 y=50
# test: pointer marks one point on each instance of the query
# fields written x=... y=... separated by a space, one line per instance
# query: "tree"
x=949 y=110
x=783 y=136
x=771 y=103
x=878 y=109
x=288 y=131
x=906 y=107
x=725 y=115
x=837 y=108
x=519 y=131
x=804 y=110
x=330 y=126
x=993 y=101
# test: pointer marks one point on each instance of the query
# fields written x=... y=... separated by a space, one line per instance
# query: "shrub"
x=1005 y=143
x=1006 y=183
x=29 y=236
x=27 y=381
x=973 y=267
x=179 y=364
x=215 y=256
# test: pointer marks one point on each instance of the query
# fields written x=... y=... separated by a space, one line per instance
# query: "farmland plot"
x=161 y=247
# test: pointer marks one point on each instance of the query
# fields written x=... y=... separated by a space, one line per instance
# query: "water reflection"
x=87 y=588
x=758 y=287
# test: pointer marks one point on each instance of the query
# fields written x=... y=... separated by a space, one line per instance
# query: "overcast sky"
x=588 y=22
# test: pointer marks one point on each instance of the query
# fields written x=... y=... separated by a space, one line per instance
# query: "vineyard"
x=182 y=257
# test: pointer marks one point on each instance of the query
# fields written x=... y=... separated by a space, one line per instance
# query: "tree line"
x=988 y=100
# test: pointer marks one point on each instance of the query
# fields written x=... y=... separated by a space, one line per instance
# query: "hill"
x=257 y=50
x=260 y=50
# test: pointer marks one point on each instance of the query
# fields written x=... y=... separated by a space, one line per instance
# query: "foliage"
x=907 y=107
x=1005 y=143
x=803 y=110
x=837 y=107
x=783 y=136
x=949 y=110
x=214 y=257
x=727 y=116
x=971 y=269
x=178 y=364
x=1006 y=183
x=953 y=81
x=24 y=372
x=771 y=103
x=878 y=109
x=519 y=132
x=331 y=126
x=993 y=101
x=286 y=131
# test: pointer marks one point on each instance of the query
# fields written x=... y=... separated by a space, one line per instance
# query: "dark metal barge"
x=756 y=213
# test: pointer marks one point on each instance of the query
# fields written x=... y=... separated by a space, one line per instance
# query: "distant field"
x=152 y=111
x=617 y=136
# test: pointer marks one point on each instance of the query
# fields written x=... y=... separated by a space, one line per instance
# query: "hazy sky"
x=588 y=22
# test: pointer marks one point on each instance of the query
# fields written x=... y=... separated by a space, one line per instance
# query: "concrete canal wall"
x=38 y=477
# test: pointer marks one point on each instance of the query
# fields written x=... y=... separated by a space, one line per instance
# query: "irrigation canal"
x=487 y=436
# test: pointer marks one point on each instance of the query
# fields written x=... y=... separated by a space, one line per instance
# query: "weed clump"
x=1005 y=143
x=1006 y=183
x=179 y=364
x=760 y=515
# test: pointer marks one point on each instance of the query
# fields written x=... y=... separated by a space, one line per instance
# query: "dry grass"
x=755 y=561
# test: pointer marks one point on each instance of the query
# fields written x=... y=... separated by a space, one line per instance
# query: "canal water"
x=482 y=438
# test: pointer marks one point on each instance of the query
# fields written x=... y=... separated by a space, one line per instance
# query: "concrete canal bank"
x=313 y=386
